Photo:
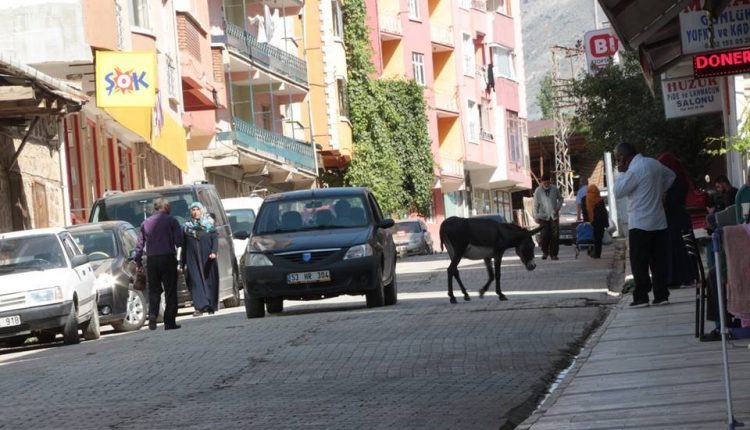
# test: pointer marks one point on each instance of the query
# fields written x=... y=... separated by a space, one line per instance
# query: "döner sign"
x=722 y=63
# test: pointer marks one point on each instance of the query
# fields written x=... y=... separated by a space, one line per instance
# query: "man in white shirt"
x=644 y=181
x=547 y=204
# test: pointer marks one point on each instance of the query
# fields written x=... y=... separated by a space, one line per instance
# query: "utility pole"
x=567 y=63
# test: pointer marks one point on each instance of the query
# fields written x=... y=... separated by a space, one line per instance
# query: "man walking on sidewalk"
x=643 y=180
x=161 y=235
x=547 y=204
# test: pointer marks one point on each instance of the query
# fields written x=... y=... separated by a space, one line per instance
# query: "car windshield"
x=98 y=245
x=241 y=219
x=407 y=227
x=569 y=207
x=280 y=216
x=135 y=208
x=30 y=253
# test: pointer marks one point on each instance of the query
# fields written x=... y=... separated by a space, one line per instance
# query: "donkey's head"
x=525 y=248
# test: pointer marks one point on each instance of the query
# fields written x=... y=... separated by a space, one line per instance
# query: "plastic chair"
x=743 y=196
x=701 y=287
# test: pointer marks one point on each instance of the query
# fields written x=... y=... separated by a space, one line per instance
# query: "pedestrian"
x=159 y=238
x=580 y=195
x=644 y=181
x=725 y=194
x=680 y=270
x=547 y=204
x=198 y=260
x=595 y=212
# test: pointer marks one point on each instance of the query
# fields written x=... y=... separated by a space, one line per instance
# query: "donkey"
x=478 y=238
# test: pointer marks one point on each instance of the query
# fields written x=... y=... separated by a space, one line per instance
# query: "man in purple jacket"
x=161 y=235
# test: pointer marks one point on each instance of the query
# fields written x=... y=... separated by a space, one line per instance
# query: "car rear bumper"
x=352 y=277
x=36 y=318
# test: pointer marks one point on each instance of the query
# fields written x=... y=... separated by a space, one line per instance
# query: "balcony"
x=447 y=103
x=442 y=37
x=267 y=56
x=486 y=135
x=390 y=24
x=271 y=145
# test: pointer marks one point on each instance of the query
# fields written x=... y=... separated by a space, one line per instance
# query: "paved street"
x=422 y=363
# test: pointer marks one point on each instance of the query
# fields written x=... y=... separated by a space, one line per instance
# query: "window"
x=502 y=62
x=467 y=49
x=338 y=23
x=503 y=204
x=499 y=6
x=414 y=9
x=465 y=4
x=484 y=121
x=515 y=145
x=342 y=97
x=139 y=14
x=417 y=64
x=473 y=122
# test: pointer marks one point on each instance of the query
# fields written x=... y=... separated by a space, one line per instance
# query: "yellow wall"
x=316 y=76
x=449 y=136
x=393 y=59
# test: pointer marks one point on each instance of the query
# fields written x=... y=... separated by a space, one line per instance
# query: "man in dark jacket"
x=161 y=235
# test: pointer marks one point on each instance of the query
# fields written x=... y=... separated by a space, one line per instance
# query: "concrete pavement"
x=644 y=369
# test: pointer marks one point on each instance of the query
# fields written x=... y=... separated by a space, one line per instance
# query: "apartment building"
x=107 y=148
x=263 y=140
x=467 y=55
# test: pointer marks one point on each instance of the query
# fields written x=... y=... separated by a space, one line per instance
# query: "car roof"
x=33 y=232
x=408 y=220
x=231 y=203
x=318 y=193
x=103 y=225
x=156 y=190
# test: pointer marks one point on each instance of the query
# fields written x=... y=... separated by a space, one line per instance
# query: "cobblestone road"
x=423 y=363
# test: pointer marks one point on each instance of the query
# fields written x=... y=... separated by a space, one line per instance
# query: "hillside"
x=546 y=23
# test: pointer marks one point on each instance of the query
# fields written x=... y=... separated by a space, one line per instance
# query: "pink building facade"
x=467 y=55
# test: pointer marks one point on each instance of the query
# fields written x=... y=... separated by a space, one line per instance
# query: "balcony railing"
x=390 y=22
x=486 y=135
x=271 y=144
x=446 y=101
x=276 y=60
x=479 y=5
x=441 y=34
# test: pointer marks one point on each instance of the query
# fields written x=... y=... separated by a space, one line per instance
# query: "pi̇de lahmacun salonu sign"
x=731 y=29
x=688 y=96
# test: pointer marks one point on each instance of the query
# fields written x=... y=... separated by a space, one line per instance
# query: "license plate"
x=10 y=321
x=306 y=277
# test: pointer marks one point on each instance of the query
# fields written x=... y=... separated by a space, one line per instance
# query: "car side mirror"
x=241 y=235
x=386 y=223
x=131 y=255
x=79 y=260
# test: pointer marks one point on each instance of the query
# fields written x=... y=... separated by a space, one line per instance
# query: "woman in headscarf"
x=199 y=260
x=595 y=212
x=680 y=270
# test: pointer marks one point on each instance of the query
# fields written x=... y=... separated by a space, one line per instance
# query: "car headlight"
x=44 y=295
x=103 y=281
x=256 y=259
x=358 y=251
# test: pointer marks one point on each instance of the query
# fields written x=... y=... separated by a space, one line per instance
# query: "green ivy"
x=392 y=153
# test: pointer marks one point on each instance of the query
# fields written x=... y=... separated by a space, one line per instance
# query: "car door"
x=85 y=287
x=225 y=255
x=426 y=234
x=384 y=238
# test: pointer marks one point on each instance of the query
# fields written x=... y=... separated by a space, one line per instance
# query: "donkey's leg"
x=453 y=268
x=498 y=260
x=488 y=264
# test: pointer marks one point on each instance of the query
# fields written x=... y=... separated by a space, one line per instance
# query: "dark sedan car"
x=108 y=245
x=314 y=244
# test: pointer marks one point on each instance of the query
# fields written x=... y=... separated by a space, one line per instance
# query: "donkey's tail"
x=442 y=240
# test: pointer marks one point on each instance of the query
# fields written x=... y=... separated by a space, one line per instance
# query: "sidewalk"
x=643 y=368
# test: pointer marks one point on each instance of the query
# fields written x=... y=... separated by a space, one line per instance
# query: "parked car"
x=46 y=287
x=314 y=244
x=568 y=222
x=135 y=206
x=110 y=245
x=241 y=213
x=411 y=237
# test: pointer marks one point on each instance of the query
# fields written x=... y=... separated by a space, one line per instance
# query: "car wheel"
x=135 y=315
x=274 y=306
x=234 y=301
x=375 y=297
x=70 y=329
x=91 y=328
x=391 y=291
x=254 y=307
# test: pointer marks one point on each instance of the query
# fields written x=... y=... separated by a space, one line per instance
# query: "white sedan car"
x=47 y=287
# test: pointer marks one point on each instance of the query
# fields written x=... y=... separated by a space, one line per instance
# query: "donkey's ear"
x=536 y=230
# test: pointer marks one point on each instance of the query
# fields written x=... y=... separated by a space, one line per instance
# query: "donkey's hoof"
x=453 y=300
x=502 y=297
x=467 y=298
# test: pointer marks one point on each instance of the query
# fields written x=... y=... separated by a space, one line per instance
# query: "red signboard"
x=722 y=63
